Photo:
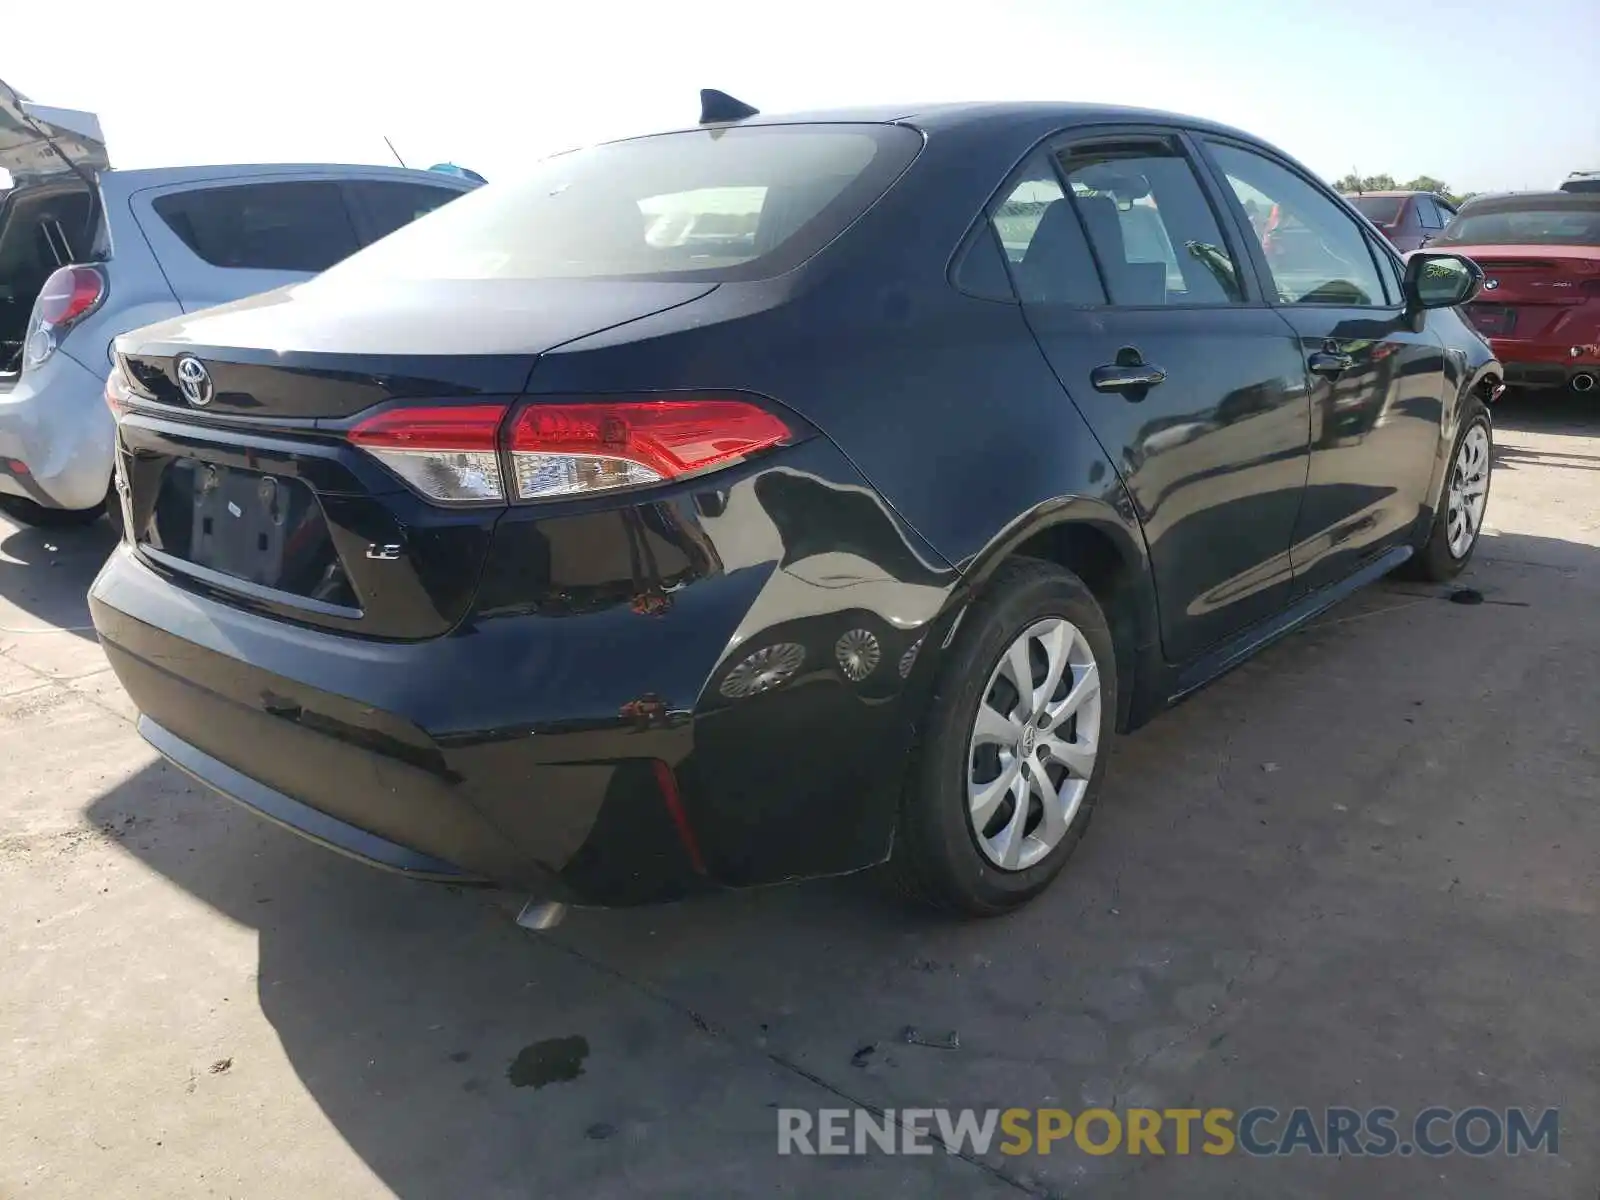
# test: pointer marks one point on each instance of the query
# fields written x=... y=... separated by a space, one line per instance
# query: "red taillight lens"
x=71 y=294
x=446 y=453
x=68 y=296
x=450 y=453
x=565 y=448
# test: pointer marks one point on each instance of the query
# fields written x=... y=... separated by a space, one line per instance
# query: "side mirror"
x=1441 y=280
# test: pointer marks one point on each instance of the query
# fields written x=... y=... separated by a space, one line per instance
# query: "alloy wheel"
x=1469 y=492
x=1034 y=743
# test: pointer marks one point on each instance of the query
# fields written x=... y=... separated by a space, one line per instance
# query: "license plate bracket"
x=235 y=522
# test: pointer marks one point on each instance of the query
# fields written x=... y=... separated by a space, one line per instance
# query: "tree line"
x=1386 y=183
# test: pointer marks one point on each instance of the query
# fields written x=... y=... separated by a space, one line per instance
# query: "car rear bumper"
x=591 y=757
x=320 y=733
x=54 y=421
x=293 y=815
x=1544 y=364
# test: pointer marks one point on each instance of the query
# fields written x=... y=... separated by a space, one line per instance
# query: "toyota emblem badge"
x=195 y=381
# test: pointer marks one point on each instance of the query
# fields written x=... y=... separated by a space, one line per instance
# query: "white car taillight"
x=68 y=296
x=452 y=454
x=449 y=454
x=117 y=392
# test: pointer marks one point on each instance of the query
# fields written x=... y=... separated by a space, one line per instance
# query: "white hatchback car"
x=88 y=253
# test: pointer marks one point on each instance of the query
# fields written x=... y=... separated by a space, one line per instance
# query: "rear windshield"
x=1565 y=226
x=734 y=203
x=1380 y=210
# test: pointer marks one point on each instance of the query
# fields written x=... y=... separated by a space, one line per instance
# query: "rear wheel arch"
x=1483 y=385
x=1093 y=542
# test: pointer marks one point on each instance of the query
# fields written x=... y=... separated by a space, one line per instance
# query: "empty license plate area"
x=264 y=529
x=1492 y=320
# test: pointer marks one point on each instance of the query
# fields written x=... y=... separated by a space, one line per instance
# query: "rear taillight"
x=454 y=454
x=68 y=296
x=449 y=454
x=562 y=449
x=117 y=391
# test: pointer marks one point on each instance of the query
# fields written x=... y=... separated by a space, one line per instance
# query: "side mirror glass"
x=1441 y=280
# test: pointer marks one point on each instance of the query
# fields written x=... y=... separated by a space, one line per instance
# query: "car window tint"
x=1044 y=243
x=1380 y=210
x=299 y=226
x=1428 y=213
x=1316 y=253
x=1154 y=235
x=1534 y=222
x=1389 y=269
x=722 y=204
x=383 y=207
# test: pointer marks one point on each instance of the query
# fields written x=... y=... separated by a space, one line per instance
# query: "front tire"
x=1458 y=519
x=1010 y=763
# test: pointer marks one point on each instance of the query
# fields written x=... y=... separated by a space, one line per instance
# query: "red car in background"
x=1411 y=220
x=1540 y=305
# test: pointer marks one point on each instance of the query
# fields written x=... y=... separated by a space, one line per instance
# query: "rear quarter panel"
x=942 y=400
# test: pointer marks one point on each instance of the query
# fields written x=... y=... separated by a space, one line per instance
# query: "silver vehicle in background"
x=87 y=253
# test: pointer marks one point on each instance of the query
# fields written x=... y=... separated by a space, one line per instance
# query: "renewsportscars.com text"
x=1260 y=1132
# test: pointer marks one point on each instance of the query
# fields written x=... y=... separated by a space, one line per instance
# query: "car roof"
x=933 y=117
x=1393 y=192
x=145 y=177
x=1515 y=200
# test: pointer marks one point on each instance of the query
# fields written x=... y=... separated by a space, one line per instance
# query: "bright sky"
x=1485 y=94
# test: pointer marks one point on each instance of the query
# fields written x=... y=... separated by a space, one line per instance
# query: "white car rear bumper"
x=55 y=423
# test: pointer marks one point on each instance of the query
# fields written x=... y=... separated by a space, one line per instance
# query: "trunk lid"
x=246 y=486
x=326 y=349
x=50 y=159
x=38 y=143
x=1531 y=288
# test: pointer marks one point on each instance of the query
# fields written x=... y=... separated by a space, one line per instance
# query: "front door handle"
x=1130 y=373
x=1330 y=362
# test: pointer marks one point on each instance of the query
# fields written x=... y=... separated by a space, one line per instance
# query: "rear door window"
x=1155 y=237
x=1428 y=213
x=300 y=225
x=1044 y=243
x=380 y=207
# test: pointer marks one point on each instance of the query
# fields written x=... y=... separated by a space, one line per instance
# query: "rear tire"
x=1458 y=519
x=26 y=511
x=965 y=843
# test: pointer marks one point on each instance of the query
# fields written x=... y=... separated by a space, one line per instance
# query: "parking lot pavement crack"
x=711 y=1029
x=65 y=685
x=1190 y=1031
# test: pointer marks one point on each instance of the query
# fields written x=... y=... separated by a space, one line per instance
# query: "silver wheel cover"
x=1469 y=492
x=1034 y=743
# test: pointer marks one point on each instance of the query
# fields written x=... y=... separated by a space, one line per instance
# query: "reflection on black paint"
x=814 y=518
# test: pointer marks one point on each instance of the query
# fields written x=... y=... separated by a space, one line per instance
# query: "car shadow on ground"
x=642 y=1051
x=1550 y=410
x=45 y=576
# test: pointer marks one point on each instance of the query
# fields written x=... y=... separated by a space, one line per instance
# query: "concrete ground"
x=1361 y=870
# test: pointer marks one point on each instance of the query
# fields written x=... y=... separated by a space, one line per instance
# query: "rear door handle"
x=1128 y=374
x=1330 y=362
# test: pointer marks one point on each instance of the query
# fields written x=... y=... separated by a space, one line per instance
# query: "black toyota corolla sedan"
x=778 y=497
